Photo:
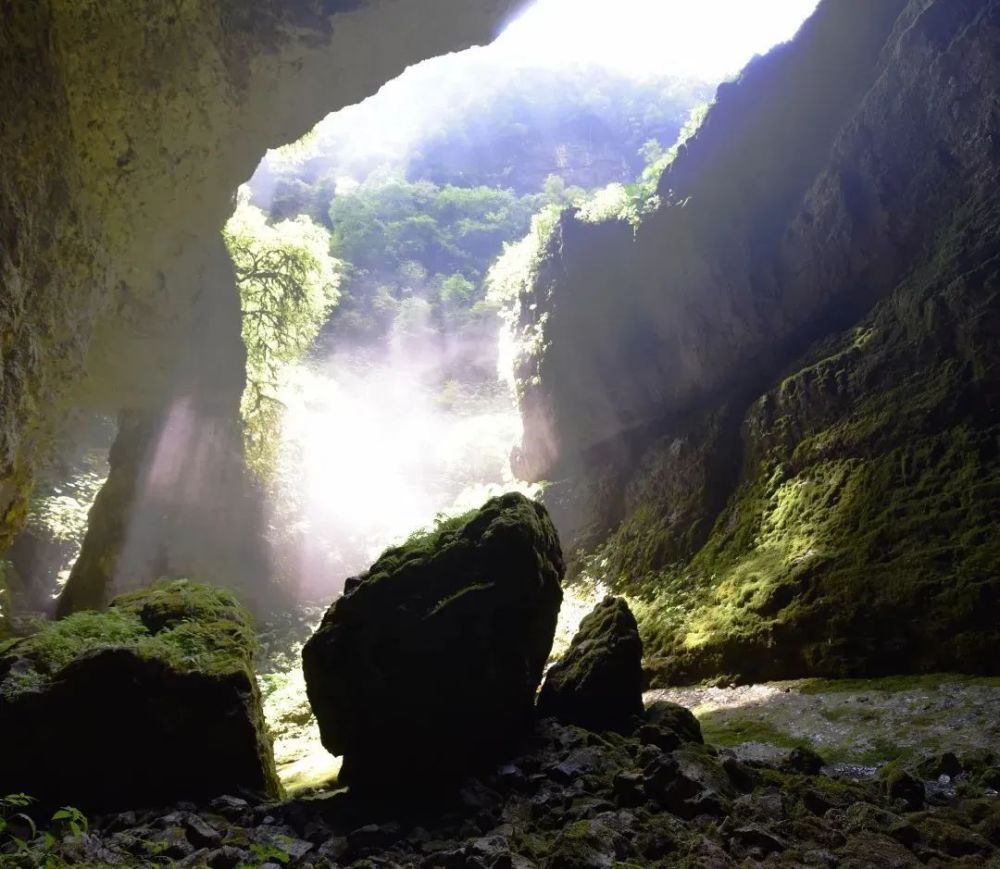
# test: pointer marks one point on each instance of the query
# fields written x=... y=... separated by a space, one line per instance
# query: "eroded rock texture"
x=597 y=684
x=427 y=668
x=132 y=126
x=784 y=385
x=152 y=701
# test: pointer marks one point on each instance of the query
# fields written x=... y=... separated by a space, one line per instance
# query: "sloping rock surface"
x=779 y=395
x=429 y=665
x=597 y=684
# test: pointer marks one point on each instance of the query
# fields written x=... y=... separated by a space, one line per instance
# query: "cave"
x=492 y=433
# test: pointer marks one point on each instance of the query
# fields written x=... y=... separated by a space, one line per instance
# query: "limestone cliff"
x=783 y=385
x=126 y=130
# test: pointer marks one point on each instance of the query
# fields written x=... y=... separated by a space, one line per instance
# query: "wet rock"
x=758 y=839
x=227 y=857
x=597 y=684
x=950 y=838
x=628 y=789
x=229 y=806
x=900 y=785
x=739 y=773
x=200 y=833
x=675 y=718
x=429 y=667
x=333 y=849
x=584 y=845
x=804 y=760
x=684 y=788
x=944 y=763
x=373 y=837
x=162 y=696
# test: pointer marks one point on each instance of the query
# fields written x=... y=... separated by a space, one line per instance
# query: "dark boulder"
x=429 y=666
x=598 y=682
x=668 y=722
x=152 y=701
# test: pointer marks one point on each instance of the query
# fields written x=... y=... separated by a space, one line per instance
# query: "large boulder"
x=428 y=666
x=152 y=701
x=597 y=684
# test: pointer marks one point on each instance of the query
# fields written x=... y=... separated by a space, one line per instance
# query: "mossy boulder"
x=674 y=718
x=429 y=666
x=598 y=682
x=152 y=701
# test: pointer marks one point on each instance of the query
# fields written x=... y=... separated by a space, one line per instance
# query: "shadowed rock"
x=151 y=701
x=428 y=667
x=598 y=682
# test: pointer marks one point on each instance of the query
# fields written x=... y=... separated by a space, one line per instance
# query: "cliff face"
x=783 y=386
x=127 y=128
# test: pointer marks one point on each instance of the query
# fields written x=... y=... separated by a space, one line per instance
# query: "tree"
x=288 y=283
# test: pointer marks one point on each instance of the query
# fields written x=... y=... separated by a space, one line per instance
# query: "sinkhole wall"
x=127 y=127
x=770 y=413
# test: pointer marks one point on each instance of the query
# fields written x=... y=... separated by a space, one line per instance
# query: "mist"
x=376 y=443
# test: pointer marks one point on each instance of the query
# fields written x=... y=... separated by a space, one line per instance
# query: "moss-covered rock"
x=151 y=701
x=900 y=785
x=430 y=664
x=597 y=684
x=795 y=393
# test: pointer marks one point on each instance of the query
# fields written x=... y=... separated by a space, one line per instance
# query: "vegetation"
x=187 y=626
x=36 y=846
x=515 y=128
x=417 y=248
x=419 y=211
x=859 y=540
x=288 y=282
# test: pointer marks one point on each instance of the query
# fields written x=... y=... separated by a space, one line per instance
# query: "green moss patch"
x=160 y=695
x=189 y=627
x=861 y=538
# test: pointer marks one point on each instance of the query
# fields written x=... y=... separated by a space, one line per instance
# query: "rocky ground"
x=574 y=798
x=863 y=723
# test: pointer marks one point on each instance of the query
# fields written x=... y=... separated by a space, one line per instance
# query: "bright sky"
x=710 y=39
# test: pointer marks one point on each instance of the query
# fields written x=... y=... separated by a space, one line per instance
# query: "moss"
x=173 y=662
x=190 y=627
x=861 y=539
x=728 y=729
x=893 y=684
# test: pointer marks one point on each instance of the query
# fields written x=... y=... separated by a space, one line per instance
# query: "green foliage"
x=73 y=819
x=406 y=241
x=632 y=201
x=37 y=847
x=288 y=284
x=11 y=811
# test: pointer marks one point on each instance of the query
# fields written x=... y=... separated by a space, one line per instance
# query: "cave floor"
x=859 y=723
x=855 y=725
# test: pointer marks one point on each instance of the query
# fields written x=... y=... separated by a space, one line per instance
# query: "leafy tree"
x=288 y=284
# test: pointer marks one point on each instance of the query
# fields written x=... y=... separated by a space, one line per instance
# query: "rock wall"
x=779 y=394
x=128 y=127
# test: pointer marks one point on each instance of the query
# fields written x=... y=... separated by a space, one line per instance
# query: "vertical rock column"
x=178 y=500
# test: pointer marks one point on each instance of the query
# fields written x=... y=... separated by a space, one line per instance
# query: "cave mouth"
x=435 y=196
x=384 y=398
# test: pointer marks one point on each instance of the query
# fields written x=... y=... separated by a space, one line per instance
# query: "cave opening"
x=380 y=261
x=506 y=458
